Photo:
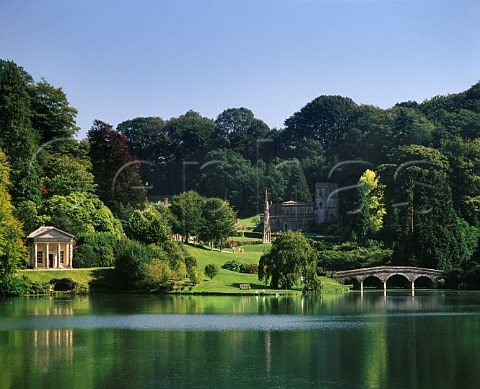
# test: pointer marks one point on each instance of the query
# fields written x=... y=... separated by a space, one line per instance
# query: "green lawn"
x=250 y=223
x=228 y=281
x=83 y=276
x=95 y=278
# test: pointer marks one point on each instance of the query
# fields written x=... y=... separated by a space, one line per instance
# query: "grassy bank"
x=226 y=282
x=91 y=279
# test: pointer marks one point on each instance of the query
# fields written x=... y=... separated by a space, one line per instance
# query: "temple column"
x=70 y=254
x=47 y=255
x=35 y=251
x=58 y=255
x=66 y=255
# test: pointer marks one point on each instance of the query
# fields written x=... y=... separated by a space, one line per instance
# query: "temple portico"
x=50 y=248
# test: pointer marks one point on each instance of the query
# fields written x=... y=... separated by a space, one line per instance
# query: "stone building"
x=293 y=215
x=50 y=248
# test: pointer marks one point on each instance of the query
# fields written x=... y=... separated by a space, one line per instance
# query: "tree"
x=132 y=260
x=218 y=221
x=116 y=174
x=187 y=208
x=211 y=271
x=147 y=139
x=288 y=261
x=53 y=117
x=326 y=119
x=369 y=219
x=464 y=159
x=190 y=135
x=18 y=140
x=296 y=188
x=79 y=213
x=232 y=178
x=67 y=174
x=429 y=234
x=12 y=249
x=237 y=129
x=147 y=226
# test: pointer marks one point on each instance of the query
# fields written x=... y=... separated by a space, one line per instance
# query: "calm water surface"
x=431 y=340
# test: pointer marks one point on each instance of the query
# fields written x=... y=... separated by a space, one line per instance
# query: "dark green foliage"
x=296 y=188
x=17 y=138
x=428 y=232
x=131 y=260
x=152 y=267
x=192 y=269
x=116 y=174
x=326 y=119
x=62 y=284
x=230 y=177
x=67 y=174
x=351 y=256
x=187 y=209
x=148 y=226
x=146 y=138
x=233 y=265
x=52 y=118
x=211 y=271
x=12 y=285
x=218 y=221
x=27 y=213
x=237 y=129
x=95 y=249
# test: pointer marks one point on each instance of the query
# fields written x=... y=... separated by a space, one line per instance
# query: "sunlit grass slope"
x=228 y=281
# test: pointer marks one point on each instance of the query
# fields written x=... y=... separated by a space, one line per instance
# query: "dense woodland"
x=409 y=178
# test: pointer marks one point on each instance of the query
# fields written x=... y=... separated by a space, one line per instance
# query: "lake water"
x=431 y=340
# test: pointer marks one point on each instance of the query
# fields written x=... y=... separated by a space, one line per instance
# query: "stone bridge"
x=383 y=273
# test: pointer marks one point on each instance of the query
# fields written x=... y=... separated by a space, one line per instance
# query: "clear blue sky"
x=117 y=60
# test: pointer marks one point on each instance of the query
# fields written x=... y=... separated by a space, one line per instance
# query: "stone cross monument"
x=267 y=234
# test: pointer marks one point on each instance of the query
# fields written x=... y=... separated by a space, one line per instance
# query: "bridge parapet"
x=383 y=273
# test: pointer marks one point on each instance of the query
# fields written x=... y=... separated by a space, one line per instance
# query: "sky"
x=118 y=59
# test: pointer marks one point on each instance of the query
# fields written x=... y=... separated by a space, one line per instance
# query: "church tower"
x=326 y=202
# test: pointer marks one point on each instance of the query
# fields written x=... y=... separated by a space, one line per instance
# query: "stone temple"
x=293 y=215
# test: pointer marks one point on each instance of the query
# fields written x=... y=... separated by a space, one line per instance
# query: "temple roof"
x=48 y=230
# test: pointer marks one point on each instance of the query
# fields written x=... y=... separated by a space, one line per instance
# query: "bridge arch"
x=426 y=281
x=371 y=281
x=398 y=279
x=385 y=273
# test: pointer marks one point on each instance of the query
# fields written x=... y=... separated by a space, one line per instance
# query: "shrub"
x=147 y=226
x=232 y=265
x=63 y=284
x=249 y=268
x=131 y=262
x=211 y=270
x=95 y=250
x=13 y=285
x=157 y=274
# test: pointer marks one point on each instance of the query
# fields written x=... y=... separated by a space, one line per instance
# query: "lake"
x=430 y=340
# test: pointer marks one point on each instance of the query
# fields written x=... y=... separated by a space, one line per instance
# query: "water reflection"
x=429 y=340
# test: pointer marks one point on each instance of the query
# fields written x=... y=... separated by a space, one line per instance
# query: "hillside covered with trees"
x=409 y=179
